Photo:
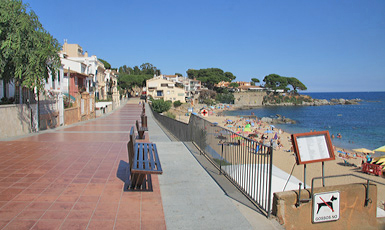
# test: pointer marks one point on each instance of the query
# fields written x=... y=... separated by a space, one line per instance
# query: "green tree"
x=254 y=81
x=211 y=76
x=105 y=63
x=296 y=84
x=275 y=82
x=233 y=85
x=179 y=74
x=137 y=76
x=28 y=53
x=127 y=81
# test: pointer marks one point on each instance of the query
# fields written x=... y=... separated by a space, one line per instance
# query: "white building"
x=160 y=88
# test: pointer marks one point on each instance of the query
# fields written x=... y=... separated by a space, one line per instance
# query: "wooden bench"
x=143 y=160
x=140 y=130
x=143 y=118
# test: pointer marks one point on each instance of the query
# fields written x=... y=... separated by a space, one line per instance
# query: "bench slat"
x=147 y=160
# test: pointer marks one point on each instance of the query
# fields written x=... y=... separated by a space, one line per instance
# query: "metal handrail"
x=367 y=199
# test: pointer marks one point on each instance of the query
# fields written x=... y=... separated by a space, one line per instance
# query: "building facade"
x=160 y=88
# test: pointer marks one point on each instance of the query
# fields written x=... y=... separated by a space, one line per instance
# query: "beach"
x=286 y=160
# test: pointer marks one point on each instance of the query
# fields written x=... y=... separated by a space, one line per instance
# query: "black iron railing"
x=247 y=163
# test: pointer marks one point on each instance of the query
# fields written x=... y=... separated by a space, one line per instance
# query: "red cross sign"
x=204 y=112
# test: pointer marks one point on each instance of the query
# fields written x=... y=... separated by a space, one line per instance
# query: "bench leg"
x=141 y=134
x=137 y=180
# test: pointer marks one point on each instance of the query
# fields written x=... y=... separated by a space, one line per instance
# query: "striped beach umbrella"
x=380 y=149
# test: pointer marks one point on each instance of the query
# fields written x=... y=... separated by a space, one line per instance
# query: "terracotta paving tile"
x=55 y=215
x=67 y=198
x=153 y=224
x=127 y=224
x=93 y=190
x=68 y=180
x=80 y=215
x=128 y=213
x=79 y=206
x=88 y=198
x=38 y=205
x=47 y=198
x=3 y=223
x=47 y=225
x=30 y=214
x=101 y=224
x=8 y=214
x=15 y=205
x=61 y=206
x=25 y=197
x=20 y=224
x=74 y=224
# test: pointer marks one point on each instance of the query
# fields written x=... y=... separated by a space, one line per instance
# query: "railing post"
x=270 y=181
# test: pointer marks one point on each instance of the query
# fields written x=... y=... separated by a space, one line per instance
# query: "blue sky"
x=329 y=45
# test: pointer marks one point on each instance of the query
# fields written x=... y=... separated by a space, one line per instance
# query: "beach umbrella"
x=380 y=161
x=272 y=126
x=363 y=150
x=380 y=149
x=247 y=129
x=247 y=120
x=229 y=126
x=268 y=131
x=248 y=126
x=229 y=121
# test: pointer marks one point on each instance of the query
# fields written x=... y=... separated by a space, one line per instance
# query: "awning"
x=152 y=85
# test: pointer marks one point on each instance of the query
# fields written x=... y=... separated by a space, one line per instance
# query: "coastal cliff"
x=304 y=100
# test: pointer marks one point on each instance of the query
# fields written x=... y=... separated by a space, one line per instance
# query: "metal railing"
x=247 y=163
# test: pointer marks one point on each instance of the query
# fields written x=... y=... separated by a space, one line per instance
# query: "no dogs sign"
x=326 y=206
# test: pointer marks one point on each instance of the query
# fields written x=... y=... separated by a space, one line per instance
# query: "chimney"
x=86 y=54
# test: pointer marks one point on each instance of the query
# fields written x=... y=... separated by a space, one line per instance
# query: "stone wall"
x=15 y=120
x=71 y=115
x=249 y=98
x=353 y=212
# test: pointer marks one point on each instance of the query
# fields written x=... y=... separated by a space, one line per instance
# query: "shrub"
x=177 y=103
x=170 y=115
x=161 y=106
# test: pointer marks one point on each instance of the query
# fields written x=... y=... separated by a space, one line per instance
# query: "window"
x=159 y=93
x=53 y=81
x=163 y=85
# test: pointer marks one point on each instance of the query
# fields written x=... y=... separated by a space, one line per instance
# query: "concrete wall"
x=15 y=120
x=353 y=213
x=250 y=98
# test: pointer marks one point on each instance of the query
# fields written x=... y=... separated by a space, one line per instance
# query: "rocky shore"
x=341 y=101
x=316 y=102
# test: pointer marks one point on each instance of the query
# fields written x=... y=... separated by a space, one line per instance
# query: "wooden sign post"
x=313 y=147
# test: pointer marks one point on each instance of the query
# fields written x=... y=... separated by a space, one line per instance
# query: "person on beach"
x=368 y=158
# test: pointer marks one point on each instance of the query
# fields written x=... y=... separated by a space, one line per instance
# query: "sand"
x=286 y=160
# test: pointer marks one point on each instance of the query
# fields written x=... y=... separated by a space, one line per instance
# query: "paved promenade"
x=73 y=178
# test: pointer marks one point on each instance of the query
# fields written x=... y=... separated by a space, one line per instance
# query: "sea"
x=360 y=126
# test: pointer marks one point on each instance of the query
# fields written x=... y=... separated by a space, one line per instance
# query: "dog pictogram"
x=326 y=204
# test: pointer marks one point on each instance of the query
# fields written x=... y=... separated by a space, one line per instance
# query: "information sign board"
x=313 y=147
x=326 y=207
